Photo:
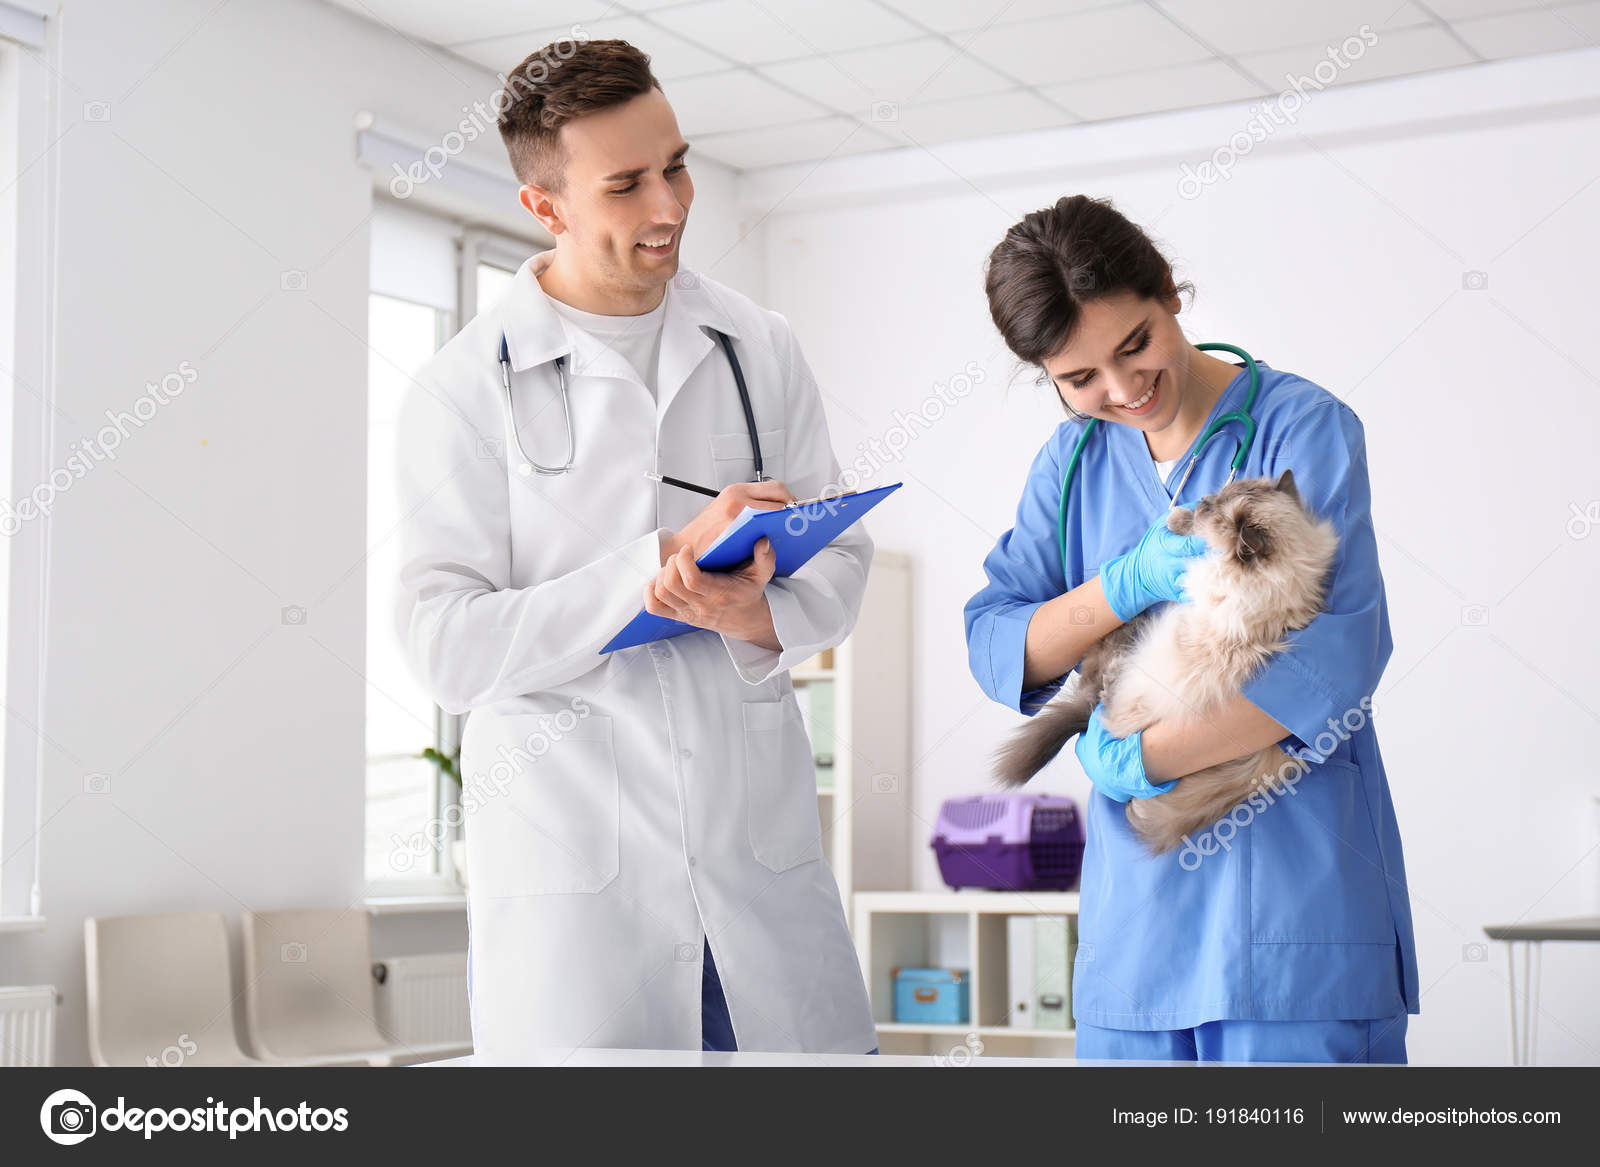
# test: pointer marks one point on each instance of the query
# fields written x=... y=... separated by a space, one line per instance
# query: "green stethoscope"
x=1240 y=415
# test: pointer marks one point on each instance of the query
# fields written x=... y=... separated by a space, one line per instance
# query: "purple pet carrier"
x=1009 y=842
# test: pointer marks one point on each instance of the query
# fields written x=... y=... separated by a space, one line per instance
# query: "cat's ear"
x=1180 y=520
x=1253 y=541
x=1285 y=483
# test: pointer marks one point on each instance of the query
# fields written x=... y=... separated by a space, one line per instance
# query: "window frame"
x=31 y=44
x=474 y=245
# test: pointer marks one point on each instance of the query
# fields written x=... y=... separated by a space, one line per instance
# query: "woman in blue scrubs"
x=1283 y=932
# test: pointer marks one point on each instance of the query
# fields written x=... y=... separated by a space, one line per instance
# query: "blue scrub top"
x=1294 y=908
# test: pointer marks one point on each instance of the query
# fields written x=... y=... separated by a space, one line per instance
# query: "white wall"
x=1338 y=255
x=232 y=742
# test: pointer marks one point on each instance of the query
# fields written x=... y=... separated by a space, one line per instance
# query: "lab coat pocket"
x=541 y=803
x=1316 y=873
x=781 y=785
x=733 y=461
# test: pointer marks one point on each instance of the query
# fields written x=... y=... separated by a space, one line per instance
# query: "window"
x=427 y=274
x=403 y=791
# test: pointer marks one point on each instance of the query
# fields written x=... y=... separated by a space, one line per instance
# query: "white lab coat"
x=620 y=807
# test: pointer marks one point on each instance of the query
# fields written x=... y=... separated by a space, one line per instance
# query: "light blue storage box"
x=931 y=996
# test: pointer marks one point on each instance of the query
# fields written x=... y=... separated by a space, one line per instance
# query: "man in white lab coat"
x=627 y=815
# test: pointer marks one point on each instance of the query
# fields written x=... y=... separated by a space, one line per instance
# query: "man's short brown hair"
x=564 y=80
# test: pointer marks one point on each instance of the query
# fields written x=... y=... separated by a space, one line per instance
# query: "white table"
x=1532 y=936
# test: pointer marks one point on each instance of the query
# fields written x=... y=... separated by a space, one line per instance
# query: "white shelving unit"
x=953 y=929
x=857 y=702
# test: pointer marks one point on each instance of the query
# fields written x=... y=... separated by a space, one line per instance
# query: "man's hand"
x=702 y=530
x=733 y=603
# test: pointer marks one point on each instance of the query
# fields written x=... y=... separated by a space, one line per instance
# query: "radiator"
x=422 y=1000
x=28 y=1026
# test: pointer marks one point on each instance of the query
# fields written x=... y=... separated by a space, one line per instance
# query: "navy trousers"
x=716 y=1027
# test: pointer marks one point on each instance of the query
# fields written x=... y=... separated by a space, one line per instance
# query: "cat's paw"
x=1180 y=521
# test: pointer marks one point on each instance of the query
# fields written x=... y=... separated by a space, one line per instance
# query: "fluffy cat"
x=1265 y=578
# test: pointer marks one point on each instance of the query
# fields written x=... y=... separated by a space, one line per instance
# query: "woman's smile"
x=1143 y=405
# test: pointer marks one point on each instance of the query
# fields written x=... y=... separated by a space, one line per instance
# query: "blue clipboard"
x=797 y=533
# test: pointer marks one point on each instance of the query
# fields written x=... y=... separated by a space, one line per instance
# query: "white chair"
x=309 y=994
x=160 y=991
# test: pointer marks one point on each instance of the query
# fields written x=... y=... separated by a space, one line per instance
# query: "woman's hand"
x=1151 y=572
x=1115 y=764
x=733 y=603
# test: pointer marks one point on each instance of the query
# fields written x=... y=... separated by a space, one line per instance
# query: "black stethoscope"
x=529 y=466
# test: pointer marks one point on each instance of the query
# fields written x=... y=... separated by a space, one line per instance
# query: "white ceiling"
x=763 y=82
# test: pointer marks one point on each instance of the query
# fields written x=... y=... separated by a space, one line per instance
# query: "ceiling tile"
x=1089 y=44
x=736 y=100
x=1248 y=26
x=954 y=15
x=1175 y=87
x=1572 y=26
x=750 y=32
x=802 y=142
x=670 y=55
x=1413 y=50
x=971 y=117
x=929 y=69
x=448 y=24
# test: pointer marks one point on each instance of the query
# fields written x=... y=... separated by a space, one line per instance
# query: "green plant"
x=449 y=764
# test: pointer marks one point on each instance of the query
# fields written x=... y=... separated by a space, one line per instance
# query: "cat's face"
x=1246 y=519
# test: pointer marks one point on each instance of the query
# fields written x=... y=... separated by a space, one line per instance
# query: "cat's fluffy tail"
x=1028 y=750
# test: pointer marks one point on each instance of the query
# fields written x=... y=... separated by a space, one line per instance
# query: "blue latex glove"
x=1151 y=572
x=1115 y=764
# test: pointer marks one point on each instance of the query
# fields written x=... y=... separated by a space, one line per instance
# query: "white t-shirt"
x=1164 y=469
x=637 y=339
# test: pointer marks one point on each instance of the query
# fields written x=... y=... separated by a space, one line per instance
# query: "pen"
x=670 y=481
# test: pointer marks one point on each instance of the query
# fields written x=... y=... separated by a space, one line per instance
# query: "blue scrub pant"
x=716 y=1027
x=1378 y=1041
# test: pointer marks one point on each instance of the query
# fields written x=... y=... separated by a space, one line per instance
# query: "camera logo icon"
x=293 y=952
x=68 y=1117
